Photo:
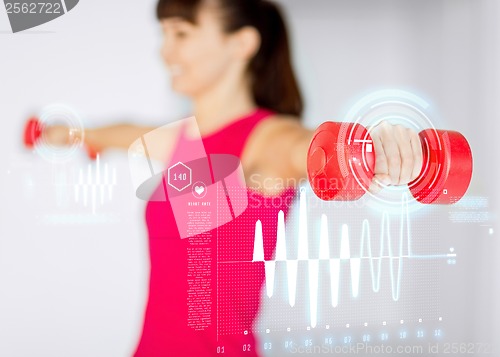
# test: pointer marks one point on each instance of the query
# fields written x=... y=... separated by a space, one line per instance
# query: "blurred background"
x=74 y=270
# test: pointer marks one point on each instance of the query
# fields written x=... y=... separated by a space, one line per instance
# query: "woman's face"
x=197 y=55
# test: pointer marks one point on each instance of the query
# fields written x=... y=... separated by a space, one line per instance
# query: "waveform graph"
x=90 y=186
x=95 y=185
x=371 y=254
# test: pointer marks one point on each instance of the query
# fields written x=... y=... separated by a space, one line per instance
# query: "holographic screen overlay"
x=394 y=106
x=205 y=191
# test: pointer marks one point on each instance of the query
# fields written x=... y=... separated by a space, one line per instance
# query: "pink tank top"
x=232 y=290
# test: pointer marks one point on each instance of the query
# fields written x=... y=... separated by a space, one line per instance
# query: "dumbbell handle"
x=33 y=131
x=341 y=163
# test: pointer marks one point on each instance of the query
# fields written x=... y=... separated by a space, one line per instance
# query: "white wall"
x=76 y=289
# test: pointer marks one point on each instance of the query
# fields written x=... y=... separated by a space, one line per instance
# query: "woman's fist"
x=398 y=155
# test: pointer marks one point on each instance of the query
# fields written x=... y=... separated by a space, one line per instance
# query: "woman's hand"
x=398 y=155
x=58 y=135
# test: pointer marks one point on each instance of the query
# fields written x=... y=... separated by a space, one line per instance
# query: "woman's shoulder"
x=268 y=131
x=277 y=117
x=277 y=122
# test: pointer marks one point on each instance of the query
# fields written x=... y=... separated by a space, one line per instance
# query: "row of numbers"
x=245 y=348
x=365 y=338
x=348 y=339
x=33 y=8
x=446 y=348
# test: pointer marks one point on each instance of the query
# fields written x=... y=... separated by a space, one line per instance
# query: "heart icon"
x=199 y=189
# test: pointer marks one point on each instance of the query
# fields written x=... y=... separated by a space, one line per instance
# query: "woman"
x=231 y=57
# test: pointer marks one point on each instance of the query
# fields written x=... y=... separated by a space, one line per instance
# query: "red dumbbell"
x=341 y=162
x=33 y=131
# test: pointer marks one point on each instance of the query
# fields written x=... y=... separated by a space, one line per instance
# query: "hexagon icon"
x=179 y=176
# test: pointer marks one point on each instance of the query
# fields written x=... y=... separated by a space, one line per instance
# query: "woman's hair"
x=274 y=85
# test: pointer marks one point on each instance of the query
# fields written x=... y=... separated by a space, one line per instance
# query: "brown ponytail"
x=274 y=84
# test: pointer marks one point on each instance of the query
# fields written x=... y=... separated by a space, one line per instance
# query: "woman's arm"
x=275 y=155
x=118 y=136
x=281 y=145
